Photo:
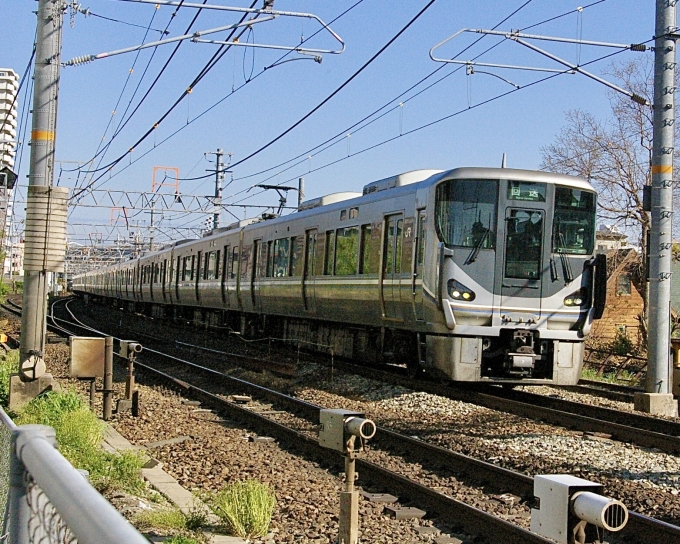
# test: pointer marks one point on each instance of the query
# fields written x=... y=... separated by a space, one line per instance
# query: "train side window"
x=157 y=272
x=217 y=264
x=234 y=263
x=293 y=270
x=270 y=258
x=225 y=263
x=346 y=251
x=421 y=234
x=185 y=268
x=193 y=268
x=364 y=257
x=281 y=252
x=343 y=215
x=211 y=265
x=353 y=213
x=330 y=252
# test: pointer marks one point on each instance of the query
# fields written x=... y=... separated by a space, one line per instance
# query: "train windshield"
x=466 y=213
x=574 y=221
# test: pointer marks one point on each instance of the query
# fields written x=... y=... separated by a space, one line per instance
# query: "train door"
x=308 y=271
x=391 y=266
x=522 y=264
x=418 y=262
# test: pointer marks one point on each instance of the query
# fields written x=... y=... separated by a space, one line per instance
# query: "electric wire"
x=161 y=32
x=21 y=83
x=108 y=167
x=343 y=132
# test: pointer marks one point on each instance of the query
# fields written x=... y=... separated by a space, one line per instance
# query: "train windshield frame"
x=466 y=213
x=574 y=221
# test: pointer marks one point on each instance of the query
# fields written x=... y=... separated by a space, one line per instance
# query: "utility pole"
x=46 y=208
x=658 y=395
x=301 y=191
x=219 y=176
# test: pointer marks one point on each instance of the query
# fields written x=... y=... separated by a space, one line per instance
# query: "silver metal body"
x=396 y=296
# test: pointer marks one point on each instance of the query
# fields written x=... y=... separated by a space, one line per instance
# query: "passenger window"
x=270 y=259
x=353 y=213
x=211 y=265
x=234 y=263
x=365 y=259
x=293 y=271
x=346 y=251
x=281 y=251
x=330 y=251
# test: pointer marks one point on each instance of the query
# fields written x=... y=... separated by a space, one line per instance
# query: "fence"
x=49 y=501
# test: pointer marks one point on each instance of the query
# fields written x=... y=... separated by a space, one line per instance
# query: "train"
x=472 y=274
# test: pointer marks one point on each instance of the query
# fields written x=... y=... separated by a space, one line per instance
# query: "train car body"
x=477 y=274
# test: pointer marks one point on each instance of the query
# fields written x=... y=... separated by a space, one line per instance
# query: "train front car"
x=514 y=277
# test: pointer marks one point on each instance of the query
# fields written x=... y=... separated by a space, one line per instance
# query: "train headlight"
x=577 y=298
x=458 y=291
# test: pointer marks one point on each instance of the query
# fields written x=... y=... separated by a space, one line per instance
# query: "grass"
x=79 y=435
x=623 y=378
x=183 y=527
x=245 y=508
x=9 y=364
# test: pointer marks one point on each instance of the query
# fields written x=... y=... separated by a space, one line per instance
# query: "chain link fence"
x=46 y=500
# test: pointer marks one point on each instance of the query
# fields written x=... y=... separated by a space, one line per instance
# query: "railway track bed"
x=548 y=448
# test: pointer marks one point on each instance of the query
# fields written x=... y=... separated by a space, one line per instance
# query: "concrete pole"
x=41 y=173
x=219 y=176
x=301 y=191
x=658 y=398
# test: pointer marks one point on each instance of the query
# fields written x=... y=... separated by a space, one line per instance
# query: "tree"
x=614 y=154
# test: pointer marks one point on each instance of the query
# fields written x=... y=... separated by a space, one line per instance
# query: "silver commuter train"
x=477 y=274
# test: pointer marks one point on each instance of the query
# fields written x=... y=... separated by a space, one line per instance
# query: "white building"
x=9 y=87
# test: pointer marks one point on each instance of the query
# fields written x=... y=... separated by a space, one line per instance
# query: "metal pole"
x=658 y=388
x=108 y=377
x=348 y=522
x=301 y=190
x=41 y=173
x=219 y=176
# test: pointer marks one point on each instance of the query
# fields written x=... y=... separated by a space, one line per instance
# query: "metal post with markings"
x=658 y=397
x=46 y=209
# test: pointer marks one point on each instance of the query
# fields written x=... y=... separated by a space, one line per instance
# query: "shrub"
x=172 y=519
x=245 y=508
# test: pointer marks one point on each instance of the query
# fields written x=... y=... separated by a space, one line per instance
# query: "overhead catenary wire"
x=108 y=167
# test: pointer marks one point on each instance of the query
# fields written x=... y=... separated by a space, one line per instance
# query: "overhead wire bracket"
x=270 y=14
x=521 y=38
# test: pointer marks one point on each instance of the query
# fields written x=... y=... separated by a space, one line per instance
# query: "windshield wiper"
x=566 y=267
x=475 y=250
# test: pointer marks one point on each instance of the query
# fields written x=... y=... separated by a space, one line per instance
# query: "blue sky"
x=517 y=124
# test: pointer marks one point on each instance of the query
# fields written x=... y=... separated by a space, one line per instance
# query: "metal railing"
x=49 y=501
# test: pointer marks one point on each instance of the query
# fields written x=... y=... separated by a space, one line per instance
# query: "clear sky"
x=250 y=106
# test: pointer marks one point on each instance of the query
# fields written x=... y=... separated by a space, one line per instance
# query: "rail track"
x=641 y=529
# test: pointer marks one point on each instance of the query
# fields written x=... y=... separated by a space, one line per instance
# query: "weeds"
x=245 y=508
x=79 y=435
x=9 y=364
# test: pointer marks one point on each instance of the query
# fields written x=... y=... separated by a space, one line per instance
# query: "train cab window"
x=293 y=270
x=330 y=252
x=281 y=255
x=465 y=213
x=346 y=251
x=234 y=263
x=524 y=244
x=573 y=221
